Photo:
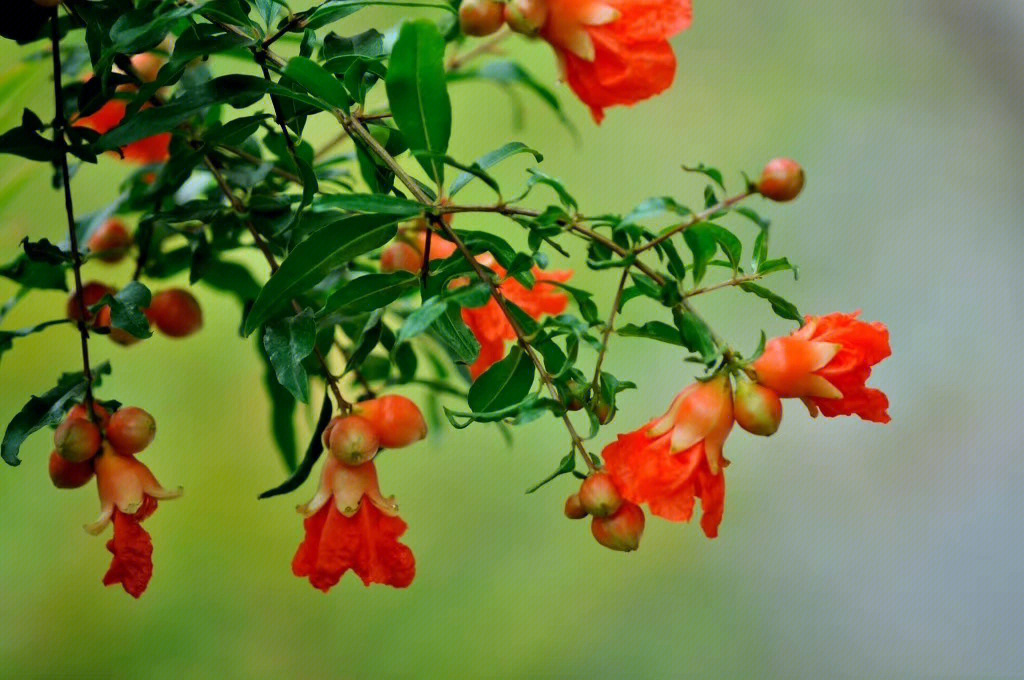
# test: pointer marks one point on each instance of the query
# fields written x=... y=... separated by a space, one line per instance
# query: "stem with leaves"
x=59 y=129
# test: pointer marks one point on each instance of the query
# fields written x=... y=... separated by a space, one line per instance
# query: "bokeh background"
x=848 y=549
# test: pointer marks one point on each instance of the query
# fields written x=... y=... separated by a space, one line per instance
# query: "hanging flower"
x=676 y=459
x=128 y=495
x=615 y=51
x=155 y=149
x=492 y=329
x=827 y=364
x=350 y=525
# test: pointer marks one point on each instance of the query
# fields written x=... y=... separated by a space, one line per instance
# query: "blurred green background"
x=848 y=549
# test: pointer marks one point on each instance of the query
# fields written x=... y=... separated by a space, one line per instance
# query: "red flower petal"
x=366 y=543
x=646 y=472
x=153 y=149
x=863 y=346
x=132 y=548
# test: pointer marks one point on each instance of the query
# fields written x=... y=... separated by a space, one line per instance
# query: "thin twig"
x=596 y=382
x=59 y=129
x=702 y=216
x=486 y=47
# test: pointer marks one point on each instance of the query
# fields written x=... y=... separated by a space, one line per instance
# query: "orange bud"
x=92 y=293
x=131 y=430
x=573 y=507
x=353 y=440
x=110 y=243
x=400 y=256
x=781 y=180
x=598 y=495
x=757 y=409
x=622 y=531
x=77 y=440
x=396 y=419
x=480 y=17
x=175 y=312
x=67 y=475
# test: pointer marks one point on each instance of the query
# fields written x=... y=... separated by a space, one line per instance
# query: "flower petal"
x=132 y=566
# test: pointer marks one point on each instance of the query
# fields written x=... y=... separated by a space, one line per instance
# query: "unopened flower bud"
x=175 y=312
x=397 y=420
x=598 y=495
x=622 y=531
x=353 y=440
x=757 y=409
x=526 y=16
x=131 y=430
x=781 y=180
x=480 y=17
x=67 y=475
x=110 y=243
x=79 y=411
x=573 y=507
x=77 y=440
x=400 y=256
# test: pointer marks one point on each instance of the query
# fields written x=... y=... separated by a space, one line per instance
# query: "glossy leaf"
x=288 y=341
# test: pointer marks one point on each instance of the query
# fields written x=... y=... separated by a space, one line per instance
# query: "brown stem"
x=59 y=129
x=486 y=47
x=693 y=221
x=596 y=383
x=256 y=160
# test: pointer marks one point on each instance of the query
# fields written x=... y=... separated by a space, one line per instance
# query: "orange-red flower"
x=615 y=51
x=128 y=495
x=676 y=459
x=153 y=149
x=350 y=525
x=827 y=364
x=489 y=324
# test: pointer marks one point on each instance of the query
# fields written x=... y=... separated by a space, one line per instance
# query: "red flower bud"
x=353 y=440
x=757 y=409
x=131 y=430
x=622 y=531
x=175 y=312
x=400 y=256
x=77 y=440
x=526 y=16
x=67 y=475
x=598 y=495
x=480 y=17
x=78 y=411
x=573 y=508
x=781 y=180
x=604 y=411
x=92 y=293
x=396 y=419
x=110 y=243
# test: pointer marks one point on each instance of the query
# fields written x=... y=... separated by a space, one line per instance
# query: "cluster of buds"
x=175 y=312
x=484 y=17
x=105 y=445
x=390 y=422
x=617 y=524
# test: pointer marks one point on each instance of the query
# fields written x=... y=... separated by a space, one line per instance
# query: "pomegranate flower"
x=128 y=495
x=350 y=525
x=153 y=149
x=489 y=324
x=615 y=51
x=677 y=458
x=827 y=364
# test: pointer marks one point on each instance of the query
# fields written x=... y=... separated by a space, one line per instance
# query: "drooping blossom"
x=827 y=364
x=492 y=329
x=350 y=525
x=153 y=149
x=676 y=459
x=615 y=51
x=128 y=495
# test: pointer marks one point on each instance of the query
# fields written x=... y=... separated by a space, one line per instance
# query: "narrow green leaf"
x=289 y=341
x=126 y=309
x=457 y=337
x=312 y=455
x=503 y=384
x=318 y=81
x=311 y=260
x=781 y=306
x=491 y=159
x=368 y=293
x=381 y=204
x=282 y=411
x=418 y=92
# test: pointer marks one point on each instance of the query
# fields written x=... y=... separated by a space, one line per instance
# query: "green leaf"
x=332 y=10
x=503 y=384
x=318 y=81
x=7 y=337
x=726 y=240
x=457 y=337
x=567 y=465
x=652 y=330
x=491 y=159
x=509 y=73
x=126 y=309
x=46 y=410
x=703 y=246
x=654 y=207
x=313 y=453
x=32 y=274
x=714 y=174
x=781 y=306
x=282 y=411
x=368 y=293
x=311 y=260
x=420 y=320
x=288 y=342
x=28 y=143
x=696 y=335
x=418 y=92
x=381 y=204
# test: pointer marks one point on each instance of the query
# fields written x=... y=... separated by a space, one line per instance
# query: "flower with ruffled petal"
x=128 y=495
x=827 y=364
x=350 y=525
x=492 y=329
x=615 y=51
x=153 y=149
x=676 y=459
